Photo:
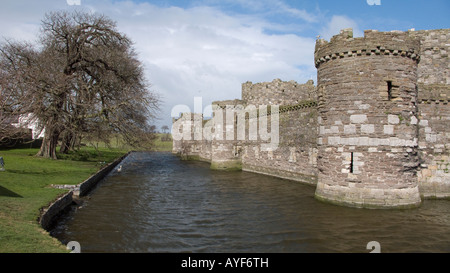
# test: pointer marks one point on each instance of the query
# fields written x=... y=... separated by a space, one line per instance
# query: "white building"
x=30 y=122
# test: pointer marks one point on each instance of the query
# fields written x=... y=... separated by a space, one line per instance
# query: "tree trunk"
x=67 y=143
x=49 y=143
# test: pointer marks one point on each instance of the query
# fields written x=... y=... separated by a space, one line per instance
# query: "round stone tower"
x=368 y=137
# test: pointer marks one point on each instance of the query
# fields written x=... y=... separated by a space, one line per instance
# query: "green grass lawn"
x=158 y=145
x=162 y=146
x=25 y=189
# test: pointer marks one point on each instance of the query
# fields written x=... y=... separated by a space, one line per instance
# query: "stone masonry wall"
x=206 y=145
x=189 y=127
x=225 y=147
x=296 y=155
x=434 y=113
x=368 y=120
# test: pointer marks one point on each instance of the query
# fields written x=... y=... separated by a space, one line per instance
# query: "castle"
x=373 y=133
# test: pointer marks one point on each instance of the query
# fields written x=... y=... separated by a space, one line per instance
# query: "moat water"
x=158 y=203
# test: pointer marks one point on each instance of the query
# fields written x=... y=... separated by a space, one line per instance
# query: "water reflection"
x=158 y=203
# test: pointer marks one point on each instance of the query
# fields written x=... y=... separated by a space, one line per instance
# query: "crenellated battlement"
x=228 y=104
x=278 y=92
x=344 y=45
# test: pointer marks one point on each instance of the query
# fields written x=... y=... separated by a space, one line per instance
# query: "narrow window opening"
x=351 y=163
x=389 y=86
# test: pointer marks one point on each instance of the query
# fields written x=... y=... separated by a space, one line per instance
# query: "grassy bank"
x=25 y=189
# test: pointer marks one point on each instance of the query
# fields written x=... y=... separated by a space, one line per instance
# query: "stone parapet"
x=395 y=43
x=278 y=92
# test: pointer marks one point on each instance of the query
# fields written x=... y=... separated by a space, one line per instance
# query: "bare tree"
x=86 y=81
x=16 y=62
x=164 y=128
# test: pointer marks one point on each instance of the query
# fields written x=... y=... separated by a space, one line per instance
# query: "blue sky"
x=208 y=48
x=390 y=14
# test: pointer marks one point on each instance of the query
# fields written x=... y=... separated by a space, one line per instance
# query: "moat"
x=158 y=203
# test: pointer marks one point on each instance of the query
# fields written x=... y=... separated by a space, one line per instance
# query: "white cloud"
x=202 y=51
x=299 y=13
x=270 y=7
x=336 y=24
x=20 y=20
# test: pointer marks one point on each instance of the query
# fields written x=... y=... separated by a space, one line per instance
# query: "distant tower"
x=225 y=148
x=368 y=134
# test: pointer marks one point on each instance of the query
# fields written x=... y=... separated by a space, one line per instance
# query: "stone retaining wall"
x=51 y=213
